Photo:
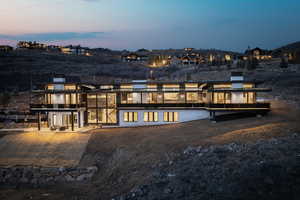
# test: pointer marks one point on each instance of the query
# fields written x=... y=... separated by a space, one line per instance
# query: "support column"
x=39 y=121
x=79 y=119
x=48 y=119
x=212 y=115
x=72 y=120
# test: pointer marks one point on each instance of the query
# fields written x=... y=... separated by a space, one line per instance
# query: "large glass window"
x=124 y=98
x=68 y=99
x=106 y=87
x=152 y=86
x=73 y=98
x=70 y=87
x=136 y=98
x=171 y=86
x=102 y=115
x=191 y=86
x=171 y=97
x=222 y=86
x=249 y=97
x=192 y=97
x=101 y=98
x=171 y=116
x=131 y=98
x=159 y=97
x=151 y=98
x=227 y=97
x=92 y=116
x=150 y=116
x=48 y=99
x=130 y=117
x=111 y=116
x=145 y=98
x=126 y=86
x=91 y=100
x=111 y=100
x=219 y=97
x=58 y=99
x=181 y=98
x=50 y=87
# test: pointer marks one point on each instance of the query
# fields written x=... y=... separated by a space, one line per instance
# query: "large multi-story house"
x=75 y=50
x=31 y=45
x=138 y=103
x=258 y=54
x=134 y=57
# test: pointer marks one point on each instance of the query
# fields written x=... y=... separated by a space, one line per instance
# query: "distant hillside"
x=290 y=47
x=18 y=68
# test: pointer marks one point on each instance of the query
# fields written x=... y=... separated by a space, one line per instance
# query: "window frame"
x=151 y=117
x=130 y=117
x=171 y=116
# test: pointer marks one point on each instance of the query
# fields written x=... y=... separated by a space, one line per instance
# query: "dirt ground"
x=42 y=149
x=127 y=157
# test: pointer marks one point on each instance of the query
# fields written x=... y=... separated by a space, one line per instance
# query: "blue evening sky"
x=152 y=24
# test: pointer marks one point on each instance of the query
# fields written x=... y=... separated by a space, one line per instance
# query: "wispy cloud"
x=53 y=36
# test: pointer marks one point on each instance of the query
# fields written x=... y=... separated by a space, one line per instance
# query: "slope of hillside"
x=290 y=47
x=37 y=66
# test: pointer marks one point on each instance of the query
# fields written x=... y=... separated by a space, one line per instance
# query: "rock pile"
x=41 y=175
x=266 y=169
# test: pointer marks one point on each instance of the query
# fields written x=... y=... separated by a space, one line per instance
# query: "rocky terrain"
x=266 y=169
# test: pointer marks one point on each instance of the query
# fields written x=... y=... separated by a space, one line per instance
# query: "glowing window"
x=130 y=117
x=150 y=116
x=171 y=116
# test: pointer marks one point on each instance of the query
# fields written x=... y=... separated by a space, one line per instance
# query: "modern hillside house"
x=66 y=105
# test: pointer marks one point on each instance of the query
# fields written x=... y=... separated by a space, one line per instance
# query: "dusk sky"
x=152 y=24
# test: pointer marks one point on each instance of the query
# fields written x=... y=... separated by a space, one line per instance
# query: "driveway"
x=43 y=149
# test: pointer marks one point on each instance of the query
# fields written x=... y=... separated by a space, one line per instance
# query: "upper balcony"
x=55 y=107
x=238 y=106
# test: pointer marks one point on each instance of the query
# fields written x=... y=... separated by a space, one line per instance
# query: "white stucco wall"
x=184 y=116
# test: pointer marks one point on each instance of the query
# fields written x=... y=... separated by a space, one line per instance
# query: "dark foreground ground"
x=266 y=169
x=250 y=158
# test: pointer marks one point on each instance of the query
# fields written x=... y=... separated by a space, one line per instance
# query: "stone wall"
x=43 y=176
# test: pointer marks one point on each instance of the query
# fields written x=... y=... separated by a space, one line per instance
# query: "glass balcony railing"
x=55 y=106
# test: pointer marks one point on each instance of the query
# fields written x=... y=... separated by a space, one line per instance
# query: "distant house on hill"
x=75 y=50
x=6 y=48
x=293 y=56
x=31 y=45
x=134 y=57
x=258 y=53
x=191 y=59
x=188 y=49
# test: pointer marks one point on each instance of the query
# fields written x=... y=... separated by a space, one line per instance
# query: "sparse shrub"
x=5 y=98
x=283 y=63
